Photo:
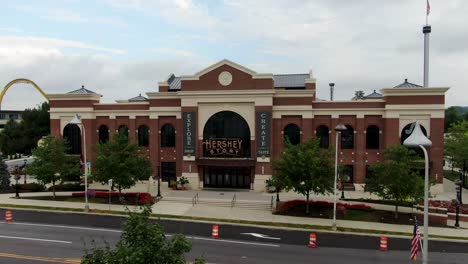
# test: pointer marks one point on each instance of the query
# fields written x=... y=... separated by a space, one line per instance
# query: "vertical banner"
x=263 y=121
x=189 y=120
x=88 y=168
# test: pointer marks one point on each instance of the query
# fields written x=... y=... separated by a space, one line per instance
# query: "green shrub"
x=31 y=187
x=68 y=187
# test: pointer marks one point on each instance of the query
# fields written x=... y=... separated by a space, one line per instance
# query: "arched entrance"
x=226 y=160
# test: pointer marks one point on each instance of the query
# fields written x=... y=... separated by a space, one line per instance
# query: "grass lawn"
x=451 y=176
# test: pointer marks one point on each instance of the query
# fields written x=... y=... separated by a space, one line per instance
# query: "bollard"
x=8 y=216
x=312 y=240
x=383 y=243
x=214 y=231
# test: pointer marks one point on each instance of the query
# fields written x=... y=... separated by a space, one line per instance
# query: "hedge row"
x=341 y=206
x=140 y=197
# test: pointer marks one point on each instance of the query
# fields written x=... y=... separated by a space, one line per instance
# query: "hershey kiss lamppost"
x=340 y=127
x=418 y=139
x=77 y=121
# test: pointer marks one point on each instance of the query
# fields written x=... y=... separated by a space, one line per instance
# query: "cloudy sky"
x=121 y=48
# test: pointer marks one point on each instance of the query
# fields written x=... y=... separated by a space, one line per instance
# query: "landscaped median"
x=232 y=221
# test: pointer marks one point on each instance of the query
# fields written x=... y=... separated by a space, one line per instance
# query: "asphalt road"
x=36 y=243
x=47 y=238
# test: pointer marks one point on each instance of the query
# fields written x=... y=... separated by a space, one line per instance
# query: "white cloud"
x=70 y=16
x=15 y=50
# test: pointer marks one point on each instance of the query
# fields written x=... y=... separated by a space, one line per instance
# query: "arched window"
x=143 y=136
x=226 y=135
x=347 y=138
x=322 y=133
x=293 y=133
x=168 y=136
x=72 y=134
x=103 y=134
x=123 y=130
x=372 y=137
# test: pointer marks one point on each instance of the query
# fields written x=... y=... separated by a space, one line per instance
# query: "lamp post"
x=77 y=121
x=24 y=170
x=159 y=183
x=340 y=127
x=418 y=139
x=17 y=175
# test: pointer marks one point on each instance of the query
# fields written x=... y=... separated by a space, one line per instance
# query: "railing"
x=233 y=202
x=271 y=203
x=194 y=199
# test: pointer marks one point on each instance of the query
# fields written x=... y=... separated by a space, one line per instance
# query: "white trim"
x=66 y=97
x=266 y=159
x=234 y=65
x=187 y=158
x=414 y=91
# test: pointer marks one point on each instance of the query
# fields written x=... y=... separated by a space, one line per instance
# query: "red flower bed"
x=448 y=205
x=341 y=206
x=141 y=197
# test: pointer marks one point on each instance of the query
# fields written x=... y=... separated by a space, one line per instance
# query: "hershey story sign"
x=263 y=120
x=189 y=133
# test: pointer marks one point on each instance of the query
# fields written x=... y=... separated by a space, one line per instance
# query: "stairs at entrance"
x=242 y=204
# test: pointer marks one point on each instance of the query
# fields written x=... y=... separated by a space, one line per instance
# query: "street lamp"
x=77 y=121
x=24 y=170
x=418 y=139
x=340 y=127
x=17 y=176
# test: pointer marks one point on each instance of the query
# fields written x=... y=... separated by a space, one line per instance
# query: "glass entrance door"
x=221 y=177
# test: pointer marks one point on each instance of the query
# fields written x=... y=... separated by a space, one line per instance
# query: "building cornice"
x=414 y=91
x=63 y=97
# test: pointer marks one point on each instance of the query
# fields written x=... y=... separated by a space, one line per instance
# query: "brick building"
x=222 y=126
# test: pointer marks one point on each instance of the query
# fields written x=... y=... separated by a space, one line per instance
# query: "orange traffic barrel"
x=214 y=231
x=383 y=243
x=312 y=240
x=8 y=216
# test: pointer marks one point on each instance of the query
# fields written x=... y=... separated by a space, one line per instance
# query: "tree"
x=120 y=161
x=396 y=178
x=306 y=168
x=22 y=137
x=456 y=144
x=4 y=177
x=34 y=125
x=142 y=243
x=452 y=116
x=358 y=95
x=11 y=138
x=50 y=161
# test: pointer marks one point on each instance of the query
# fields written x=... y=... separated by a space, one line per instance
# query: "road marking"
x=261 y=236
x=67 y=227
x=233 y=241
x=44 y=259
x=37 y=239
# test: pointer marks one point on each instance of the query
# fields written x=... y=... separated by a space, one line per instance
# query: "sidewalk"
x=186 y=209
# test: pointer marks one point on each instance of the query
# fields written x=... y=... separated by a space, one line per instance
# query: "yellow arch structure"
x=20 y=81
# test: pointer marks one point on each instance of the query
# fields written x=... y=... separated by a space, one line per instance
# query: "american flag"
x=415 y=241
x=428 y=8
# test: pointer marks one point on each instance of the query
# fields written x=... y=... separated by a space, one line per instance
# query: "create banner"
x=263 y=134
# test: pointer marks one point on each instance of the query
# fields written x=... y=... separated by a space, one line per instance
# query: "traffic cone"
x=214 y=231
x=8 y=216
x=312 y=240
x=383 y=243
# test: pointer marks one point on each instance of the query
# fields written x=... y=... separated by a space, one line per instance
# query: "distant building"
x=221 y=127
x=6 y=115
